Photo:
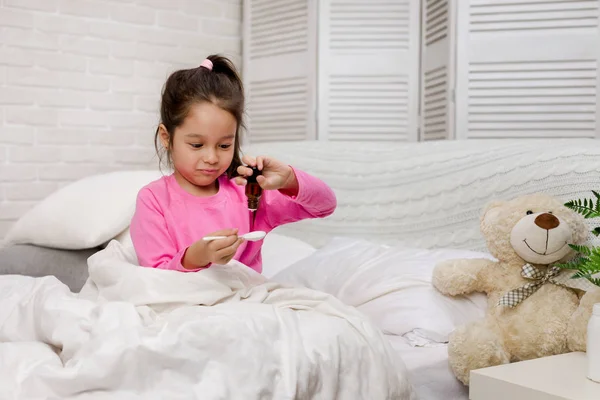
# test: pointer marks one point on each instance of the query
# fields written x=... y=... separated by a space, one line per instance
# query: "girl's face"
x=203 y=146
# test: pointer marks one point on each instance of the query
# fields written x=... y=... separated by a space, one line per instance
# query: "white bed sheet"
x=134 y=333
x=428 y=370
x=392 y=286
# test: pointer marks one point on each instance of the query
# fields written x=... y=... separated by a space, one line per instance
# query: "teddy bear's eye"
x=549 y=212
x=529 y=212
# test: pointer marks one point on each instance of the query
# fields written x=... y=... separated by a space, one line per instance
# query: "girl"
x=201 y=118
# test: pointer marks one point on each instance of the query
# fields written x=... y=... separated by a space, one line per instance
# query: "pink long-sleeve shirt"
x=168 y=219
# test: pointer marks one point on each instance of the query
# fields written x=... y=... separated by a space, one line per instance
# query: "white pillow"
x=279 y=252
x=124 y=238
x=329 y=267
x=392 y=286
x=83 y=214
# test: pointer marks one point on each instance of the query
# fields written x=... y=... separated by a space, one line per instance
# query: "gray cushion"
x=69 y=266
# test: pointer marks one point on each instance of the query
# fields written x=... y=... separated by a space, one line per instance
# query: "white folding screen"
x=437 y=70
x=279 y=69
x=527 y=68
x=422 y=70
x=368 y=69
x=364 y=85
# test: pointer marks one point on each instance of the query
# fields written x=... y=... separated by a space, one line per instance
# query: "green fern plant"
x=587 y=261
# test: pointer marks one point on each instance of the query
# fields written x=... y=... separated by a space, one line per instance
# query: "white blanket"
x=224 y=333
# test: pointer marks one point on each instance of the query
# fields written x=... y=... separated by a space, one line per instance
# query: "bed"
x=70 y=266
x=405 y=204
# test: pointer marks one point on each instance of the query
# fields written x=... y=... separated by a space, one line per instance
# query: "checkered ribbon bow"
x=516 y=296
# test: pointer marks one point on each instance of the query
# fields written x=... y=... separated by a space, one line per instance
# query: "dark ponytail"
x=220 y=86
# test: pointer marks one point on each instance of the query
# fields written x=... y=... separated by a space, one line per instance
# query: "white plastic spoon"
x=250 y=236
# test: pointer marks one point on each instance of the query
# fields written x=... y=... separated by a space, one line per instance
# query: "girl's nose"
x=211 y=157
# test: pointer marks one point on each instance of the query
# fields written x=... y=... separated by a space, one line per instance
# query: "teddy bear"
x=530 y=314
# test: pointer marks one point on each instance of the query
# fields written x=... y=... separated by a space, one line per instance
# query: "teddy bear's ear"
x=491 y=210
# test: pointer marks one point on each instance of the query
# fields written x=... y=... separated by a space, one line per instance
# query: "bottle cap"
x=255 y=173
x=596 y=309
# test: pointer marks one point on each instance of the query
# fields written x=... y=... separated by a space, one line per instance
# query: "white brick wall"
x=80 y=83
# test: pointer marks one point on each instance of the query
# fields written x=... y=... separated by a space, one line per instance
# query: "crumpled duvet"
x=223 y=333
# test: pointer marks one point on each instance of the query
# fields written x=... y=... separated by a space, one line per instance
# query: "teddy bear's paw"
x=450 y=277
x=442 y=276
x=476 y=345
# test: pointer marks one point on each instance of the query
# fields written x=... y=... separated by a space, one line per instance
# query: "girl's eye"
x=225 y=146
x=195 y=145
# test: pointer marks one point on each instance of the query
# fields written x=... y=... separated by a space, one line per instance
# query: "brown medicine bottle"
x=253 y=189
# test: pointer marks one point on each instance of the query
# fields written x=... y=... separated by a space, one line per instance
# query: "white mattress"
x=429 y=372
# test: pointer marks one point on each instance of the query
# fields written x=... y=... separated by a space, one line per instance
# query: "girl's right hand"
x=219 y=251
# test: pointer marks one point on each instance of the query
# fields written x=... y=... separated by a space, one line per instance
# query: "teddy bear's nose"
x=547 y=221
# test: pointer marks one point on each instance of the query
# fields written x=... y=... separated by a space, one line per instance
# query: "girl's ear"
x=164 y=136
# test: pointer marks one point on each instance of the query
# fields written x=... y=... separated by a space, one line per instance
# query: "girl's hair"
x=219 y=85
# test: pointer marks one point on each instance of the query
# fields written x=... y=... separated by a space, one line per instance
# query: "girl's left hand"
x=275 y=174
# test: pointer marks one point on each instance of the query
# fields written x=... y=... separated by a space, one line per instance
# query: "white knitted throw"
x=431 y=194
